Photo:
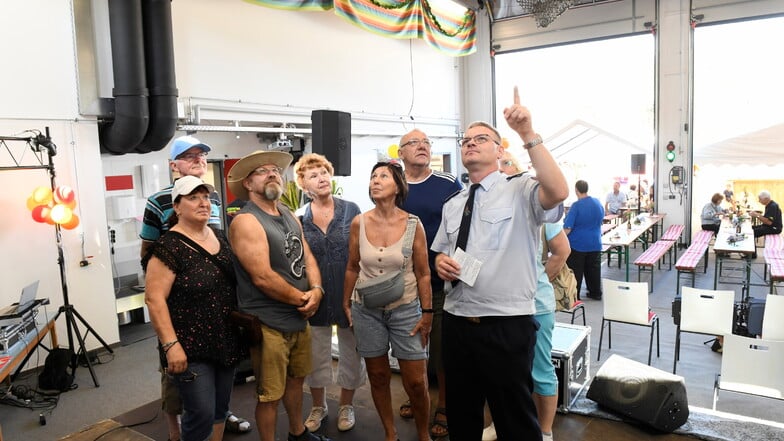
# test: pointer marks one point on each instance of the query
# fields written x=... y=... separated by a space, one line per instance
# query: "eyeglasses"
x=261 y=171
x=478 y=139
x=192 y=156
x=417 y=142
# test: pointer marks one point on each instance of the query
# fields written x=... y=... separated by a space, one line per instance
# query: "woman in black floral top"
x=190 y=291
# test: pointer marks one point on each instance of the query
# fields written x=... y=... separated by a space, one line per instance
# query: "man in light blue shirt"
x=615 y=200
x=489 y=331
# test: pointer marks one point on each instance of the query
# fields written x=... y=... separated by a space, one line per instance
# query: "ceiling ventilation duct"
x=142 y=55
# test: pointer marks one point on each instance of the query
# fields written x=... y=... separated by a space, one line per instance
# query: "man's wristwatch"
x=533 y=143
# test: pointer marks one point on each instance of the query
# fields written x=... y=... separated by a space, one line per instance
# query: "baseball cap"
x=187 y=184
x=183 y=143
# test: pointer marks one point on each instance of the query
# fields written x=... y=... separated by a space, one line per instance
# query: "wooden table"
x=728 y=240
x=19 y=354
x=623 y=236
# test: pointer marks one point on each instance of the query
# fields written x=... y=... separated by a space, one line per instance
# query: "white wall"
x=228 y=52
x=38 y=86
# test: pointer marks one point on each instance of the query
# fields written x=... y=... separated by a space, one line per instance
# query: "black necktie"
x=465 y=222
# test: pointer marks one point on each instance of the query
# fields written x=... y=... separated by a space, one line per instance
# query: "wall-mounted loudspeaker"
x=332 y=138
x=641 y=392
x=638 y=164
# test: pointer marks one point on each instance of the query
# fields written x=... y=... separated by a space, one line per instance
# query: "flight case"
x=571 y=357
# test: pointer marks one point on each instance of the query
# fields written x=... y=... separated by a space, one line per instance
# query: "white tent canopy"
x=763 y=146
x=586 y=141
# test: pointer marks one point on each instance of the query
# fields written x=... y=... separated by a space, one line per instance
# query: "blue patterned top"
x=331 y=253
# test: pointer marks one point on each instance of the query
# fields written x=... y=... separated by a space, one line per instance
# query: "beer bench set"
x=654 y=255
x=688 y=262
x=774 y=258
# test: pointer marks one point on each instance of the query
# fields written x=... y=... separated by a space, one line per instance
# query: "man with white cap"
x=188 y=157
x=278 y=280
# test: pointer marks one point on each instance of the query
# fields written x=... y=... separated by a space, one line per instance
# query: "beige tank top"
x=375 y=261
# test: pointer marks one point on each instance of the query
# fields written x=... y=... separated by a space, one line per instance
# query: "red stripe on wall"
x=119 y=182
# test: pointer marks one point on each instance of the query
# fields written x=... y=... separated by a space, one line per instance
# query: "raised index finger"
x=516 y=96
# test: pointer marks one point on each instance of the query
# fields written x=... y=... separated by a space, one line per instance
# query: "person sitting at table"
x=711 y=214
x=632 y=197
x=729 y=195
x=770 y=220
x=615 y=199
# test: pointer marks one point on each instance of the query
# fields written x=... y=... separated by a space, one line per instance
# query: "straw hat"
x=242 y=168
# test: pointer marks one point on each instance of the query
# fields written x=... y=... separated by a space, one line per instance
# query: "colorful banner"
x=452 y=34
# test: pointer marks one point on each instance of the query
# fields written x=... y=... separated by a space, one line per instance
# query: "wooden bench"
x=673 y=233
x=776 y=272
x=687 y=263
x=653 y=257
x=774 y=242
x=611 y=249
x=617 y=250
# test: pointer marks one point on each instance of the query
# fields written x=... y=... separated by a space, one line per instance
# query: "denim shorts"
x=376 y=329
x=543 y=372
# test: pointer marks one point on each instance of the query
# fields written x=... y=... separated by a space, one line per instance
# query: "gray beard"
x=273 y=191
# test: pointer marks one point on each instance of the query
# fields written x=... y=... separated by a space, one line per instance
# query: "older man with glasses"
x=489 y=330
x=427 y=192
x=187 y=157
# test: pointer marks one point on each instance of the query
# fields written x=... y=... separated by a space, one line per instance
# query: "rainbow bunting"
x=452 y=34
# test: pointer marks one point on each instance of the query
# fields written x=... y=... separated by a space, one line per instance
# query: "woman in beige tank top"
x=375 y=248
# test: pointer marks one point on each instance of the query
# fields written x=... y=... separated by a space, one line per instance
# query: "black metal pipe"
x=128 y=125
x=159 y=57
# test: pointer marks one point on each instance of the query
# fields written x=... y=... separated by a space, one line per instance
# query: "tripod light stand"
x=72 y=316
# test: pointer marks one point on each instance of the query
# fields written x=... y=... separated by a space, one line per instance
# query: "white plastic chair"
x=703 y=311
x=627 y=302
x=750 y=366
x=773 y=318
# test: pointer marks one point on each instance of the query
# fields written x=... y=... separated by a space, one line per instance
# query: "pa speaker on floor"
x=641 y=392
x=332 y=138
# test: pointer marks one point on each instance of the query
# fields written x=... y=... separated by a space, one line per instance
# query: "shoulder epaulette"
x=509 y=178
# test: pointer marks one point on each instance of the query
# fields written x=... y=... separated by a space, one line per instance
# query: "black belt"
x=487 y=319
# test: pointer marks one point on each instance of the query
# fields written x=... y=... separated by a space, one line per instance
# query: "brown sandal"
x=440 y=426
x=406 y=411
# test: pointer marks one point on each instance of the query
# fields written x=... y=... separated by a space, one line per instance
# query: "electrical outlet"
x=671 y=196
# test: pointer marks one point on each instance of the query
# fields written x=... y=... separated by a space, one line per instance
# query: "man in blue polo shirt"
x=427 y=191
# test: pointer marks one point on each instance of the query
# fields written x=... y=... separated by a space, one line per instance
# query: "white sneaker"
x=489 y=433
x=346 y=419
x=317 y=415
x=547 y=436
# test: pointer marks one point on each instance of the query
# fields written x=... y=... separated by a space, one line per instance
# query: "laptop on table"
x=26 y=301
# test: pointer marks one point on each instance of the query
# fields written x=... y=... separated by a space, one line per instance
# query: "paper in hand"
x=469 y=266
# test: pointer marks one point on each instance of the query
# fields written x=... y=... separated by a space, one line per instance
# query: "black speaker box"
x=638 y=164
x=332 y=138
x=642 y=393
